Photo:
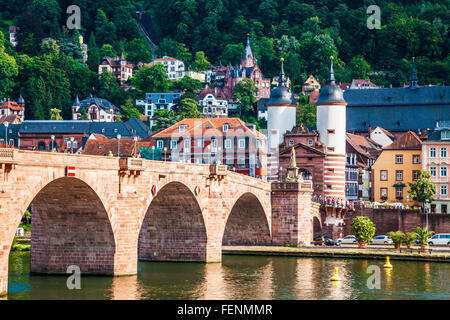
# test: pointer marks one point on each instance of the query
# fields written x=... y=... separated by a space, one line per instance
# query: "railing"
x=131 y=164
x=334 y=202
x=6 y=153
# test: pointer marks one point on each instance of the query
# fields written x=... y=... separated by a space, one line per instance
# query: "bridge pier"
x=291 y=213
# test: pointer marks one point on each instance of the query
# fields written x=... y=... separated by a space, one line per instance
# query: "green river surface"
x=241 y=277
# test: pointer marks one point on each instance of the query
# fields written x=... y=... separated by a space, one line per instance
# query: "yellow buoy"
x=336 y=277
x=388 y=263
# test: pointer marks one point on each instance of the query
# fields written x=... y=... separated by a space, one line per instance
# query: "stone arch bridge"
x=104 y=214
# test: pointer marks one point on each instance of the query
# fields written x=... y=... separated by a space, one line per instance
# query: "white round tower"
x=331 y=125
x=281 y=112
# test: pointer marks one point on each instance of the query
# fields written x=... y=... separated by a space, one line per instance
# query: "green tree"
x=84 y=115
x=359 y=67
x=187 y=85
x=166 y=119
x=49 y=12
x=55 y=114
x=306 y=112
x=137 y=51
x=422 y=189
x=188 y=108
x=232 y=54
x=105 y=30
x=129 y=110
x=107 y=50
x=200 y=63
x=8 y=70
x=244 y=92
x=363 y=229
x=151 y=79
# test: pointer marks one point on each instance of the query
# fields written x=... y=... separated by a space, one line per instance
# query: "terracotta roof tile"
x=409 y=140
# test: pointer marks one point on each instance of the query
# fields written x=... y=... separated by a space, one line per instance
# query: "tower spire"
x=413 y=80
x=331 y=78
x=282 y=78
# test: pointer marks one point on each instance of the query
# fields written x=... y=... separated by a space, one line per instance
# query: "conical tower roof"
x=331 y=93
x=281 y=94
x=76 y=102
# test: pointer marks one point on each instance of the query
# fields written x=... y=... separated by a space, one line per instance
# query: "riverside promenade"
x=438 y=254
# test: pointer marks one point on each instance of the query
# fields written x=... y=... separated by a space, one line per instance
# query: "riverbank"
x=336 y=252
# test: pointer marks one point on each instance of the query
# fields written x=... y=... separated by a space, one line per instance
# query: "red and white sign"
x=154 y=190
x=197 y=190
x=70 y=171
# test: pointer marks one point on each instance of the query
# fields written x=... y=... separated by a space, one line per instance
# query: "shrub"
x=422 y=235
x=363 y=229
x=397 y=237
x=409 y=238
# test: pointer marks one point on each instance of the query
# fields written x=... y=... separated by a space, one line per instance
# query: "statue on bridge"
x=292 y=174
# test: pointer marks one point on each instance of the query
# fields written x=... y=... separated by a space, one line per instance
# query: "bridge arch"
x=173 y=228
x=70 y=226
x=247 y=223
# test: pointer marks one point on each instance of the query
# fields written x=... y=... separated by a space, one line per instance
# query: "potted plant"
x=422 y=235
x=363 y=229
x=397 y=238
x=409 y=239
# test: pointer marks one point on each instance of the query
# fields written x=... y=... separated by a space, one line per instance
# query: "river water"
x=242 y=277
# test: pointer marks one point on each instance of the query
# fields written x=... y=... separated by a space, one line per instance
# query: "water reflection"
x=242 y=277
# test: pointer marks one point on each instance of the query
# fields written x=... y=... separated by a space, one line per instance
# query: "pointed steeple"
x=76 y=102
x=413 y=80
x=331 y=78
x=282 y=78
x=20 y=100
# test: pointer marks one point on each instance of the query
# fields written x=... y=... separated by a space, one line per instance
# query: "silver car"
x=346 y=239
x=381 y=239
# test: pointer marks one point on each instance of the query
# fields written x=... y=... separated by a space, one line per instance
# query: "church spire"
x=413 y=80
x=282 y=78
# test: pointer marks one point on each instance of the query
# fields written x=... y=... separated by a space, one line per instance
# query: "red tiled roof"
x=12 y=105
x=344 y=86
x=208 y=127
x=104 y=147
x=216 y=92
x=407 y=141
x=313 y=96
x=363 y=145
x=361 y=82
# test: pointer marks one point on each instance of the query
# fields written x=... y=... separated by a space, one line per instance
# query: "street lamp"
x=426 y=212
x=6 y=134
x=135 y=142
x=53 y=142
x=153 y=152
x=71 y=144
x=118 y=145
x=165 y=153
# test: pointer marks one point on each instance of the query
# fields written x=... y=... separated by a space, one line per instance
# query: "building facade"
x=227 y=141
x=122 y=69
x=157 y=101
x=12 y=112
x=436 y=159
x=398 y=164
x=175 y=68
x=213 y=102
x=94 y=109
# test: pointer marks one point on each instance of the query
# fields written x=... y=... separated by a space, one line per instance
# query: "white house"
x=214 y=103
x=174 y=68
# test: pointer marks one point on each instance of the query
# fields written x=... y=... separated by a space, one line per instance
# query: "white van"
x=440 y=239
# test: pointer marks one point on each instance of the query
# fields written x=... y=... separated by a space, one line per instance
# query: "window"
x=433 y=171
x=11 y=142
x=182 y=128
x=399 y=158
x=399 y=175
x=416 y=158
x=383 y=193
x=187 y=145
x=173 y=144
x=330 y=149
x=445 y=135
x=200 y=143
x=331 y=131
x=159 y=144
x=415 y=174
x=383 y=175
x=227 y=143
x=443 y=171
x=241 y=143
x=443 y=152
x=433 y=208
x=225 y=127
x=310 y=142
x=432 y=152
x=443 y=208
x=399 y=193
x=443 y=190
x=291 y=143
x=75 y=144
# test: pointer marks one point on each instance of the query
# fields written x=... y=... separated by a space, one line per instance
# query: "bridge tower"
x=331 y=125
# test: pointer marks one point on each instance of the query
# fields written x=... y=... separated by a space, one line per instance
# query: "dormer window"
x=225 y=127
x=182 y=128
x=115 y=130
x=445 y=135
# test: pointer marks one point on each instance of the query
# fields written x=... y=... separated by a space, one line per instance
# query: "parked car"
x=440 y=239
x=381 y=239
x=346 y=239
x=320 y=240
